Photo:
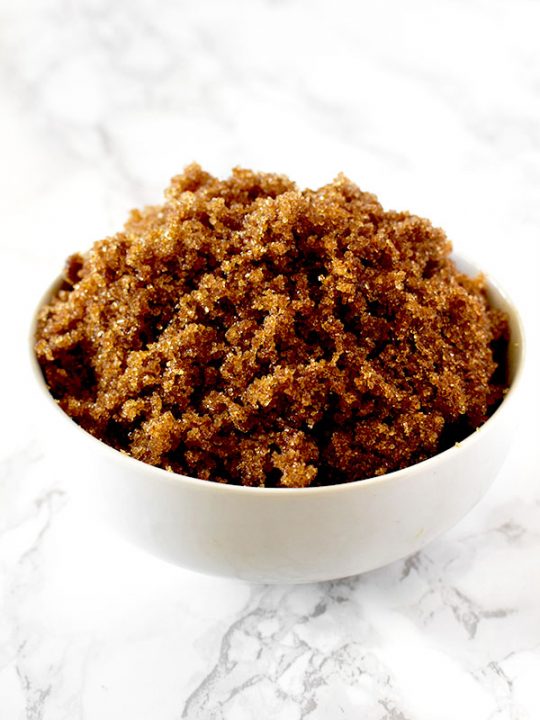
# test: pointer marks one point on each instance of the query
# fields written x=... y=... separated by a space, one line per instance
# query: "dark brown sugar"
x=249 y=332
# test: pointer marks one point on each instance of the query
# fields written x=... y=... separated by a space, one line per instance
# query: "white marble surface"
x=434 y=106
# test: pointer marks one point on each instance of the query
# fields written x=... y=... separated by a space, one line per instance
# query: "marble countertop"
x=433 y=106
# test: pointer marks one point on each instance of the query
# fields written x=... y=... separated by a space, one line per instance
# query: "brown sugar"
x=249 y=332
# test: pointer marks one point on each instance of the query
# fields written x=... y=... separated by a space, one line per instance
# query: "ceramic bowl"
x=274 y=535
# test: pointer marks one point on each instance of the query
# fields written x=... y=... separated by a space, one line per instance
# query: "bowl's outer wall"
x=290 y=536
x=298 y=537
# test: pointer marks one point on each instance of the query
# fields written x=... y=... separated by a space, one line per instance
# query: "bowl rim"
x=470 y=268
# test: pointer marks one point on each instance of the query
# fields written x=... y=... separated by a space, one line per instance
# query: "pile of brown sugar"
x=252 y=333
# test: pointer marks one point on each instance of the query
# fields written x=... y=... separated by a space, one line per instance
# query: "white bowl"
x=274 y=535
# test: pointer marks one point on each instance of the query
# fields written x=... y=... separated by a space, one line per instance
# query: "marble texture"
x=433 y=106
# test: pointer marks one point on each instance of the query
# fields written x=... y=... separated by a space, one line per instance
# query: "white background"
x=433 y=106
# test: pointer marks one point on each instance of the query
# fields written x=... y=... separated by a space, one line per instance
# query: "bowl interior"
x=496 y=297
